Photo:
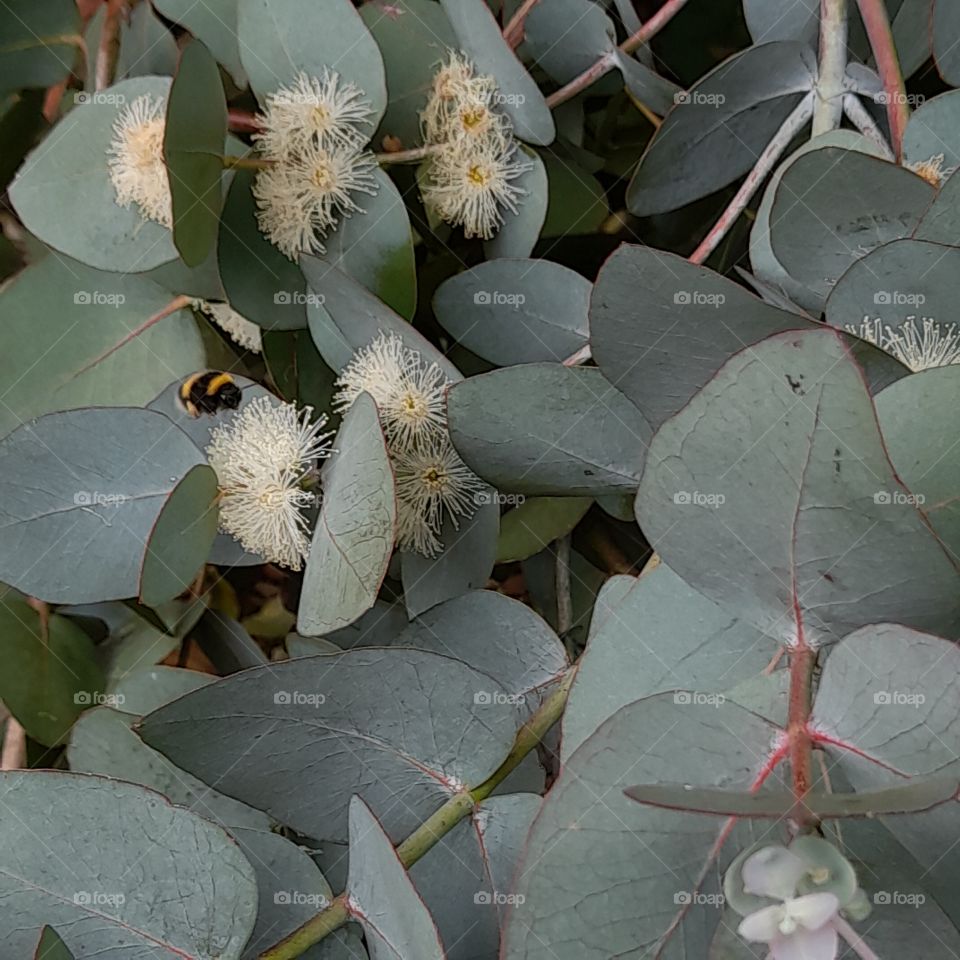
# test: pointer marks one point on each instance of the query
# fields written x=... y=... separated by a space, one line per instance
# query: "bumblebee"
x=209 y=392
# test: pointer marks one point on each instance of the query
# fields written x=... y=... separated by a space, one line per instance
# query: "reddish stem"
x=803 y=659
x=875 y=19
x=243 y=121
x=513 y=31
x=607 y=62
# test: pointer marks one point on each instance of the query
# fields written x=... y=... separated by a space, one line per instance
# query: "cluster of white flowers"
x=432 y=480
x=931 y=345
x=263 y=457
x=135 y=160
x=313 y=134
x=475 y=159
x=240 y=330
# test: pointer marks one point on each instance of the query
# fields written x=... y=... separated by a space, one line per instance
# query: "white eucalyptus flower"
x=240 y=330
x=923 y=348
x=320 y=111
x=301 y=198
x=800 y=928
x=137 y=169
x=472 y=183
x=455 y=87
x=932 y=170
x=432 y=482
x=408 y=391
x=262 y=458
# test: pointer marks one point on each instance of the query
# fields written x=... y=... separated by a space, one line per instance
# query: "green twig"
x=435 y=827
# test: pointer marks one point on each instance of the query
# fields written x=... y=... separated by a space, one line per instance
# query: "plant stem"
x=875 y=19
x=108 y=49
x=513 y=31
x=608 y=61
x=765 y=163
x=14 y=753
x=803 y=659
x=856 y=942
x=861 y=119
x=414 y=155
x=580 y=356
x=435 y=827
x=243 y=121
x=828 y=106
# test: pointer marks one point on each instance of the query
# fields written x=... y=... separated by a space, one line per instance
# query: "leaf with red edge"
x=771 y=492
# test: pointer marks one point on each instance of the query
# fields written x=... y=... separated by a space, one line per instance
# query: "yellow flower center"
x=478 y=176
x=434 y=479
x=323 y=177
x=473 y=118
x=145 y=143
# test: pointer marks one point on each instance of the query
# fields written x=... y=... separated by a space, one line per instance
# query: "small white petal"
x=812 y=910
x=762 y=926
x=772 y=872
x=237 y=327
x=924 y=348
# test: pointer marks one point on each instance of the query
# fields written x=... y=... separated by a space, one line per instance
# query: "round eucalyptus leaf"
x=717 y=129
x=932 y=130
x=647 y=886
x=941 y=221
x=38 y=43
x=577 y=436
x=148 y=688
x=945 y=25
x=280 y=39
x=782 y=20
x=51 y=673
x=147 y=47
x=923 y=450
x=81 y=492
x=479 y=36
x=414 y=37
x=76 y=322
x=64 y=195
x=260 y=282
x=120 y=893
x=566 y=37
x=375 y=248
x=51 y=946
x=536 y=523
x=834 y=206
x=362 y=720
x=193 y=147
x=382 y=898
x=519 y=233
x=469 y=553
x=733 y=482
x=181 y=538
x=215 y=23
x=516 y=311
x=353 y=539
x=102 y=742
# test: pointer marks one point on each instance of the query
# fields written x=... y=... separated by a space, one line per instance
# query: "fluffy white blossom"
x=474 y=159
x=301 y=198
x=796 y=929
x=320 y=111
x=408 y=391
x=240 y=330
x=135 y=159
x=262 y=458
x=432 y=482
x=920 y=347
x=932 y=169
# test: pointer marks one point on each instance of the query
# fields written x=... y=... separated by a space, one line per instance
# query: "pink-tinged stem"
x=765 y=163
x=242 y=121
x=14 y=754
x=513 y=31
x=581 y=356
x=607 y=62
x=875 y=19
x=856 y=942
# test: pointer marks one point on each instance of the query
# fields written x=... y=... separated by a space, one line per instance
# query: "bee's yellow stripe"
x=220 y=380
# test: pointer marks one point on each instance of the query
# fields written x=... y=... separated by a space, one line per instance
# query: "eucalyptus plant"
x=479 y=479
